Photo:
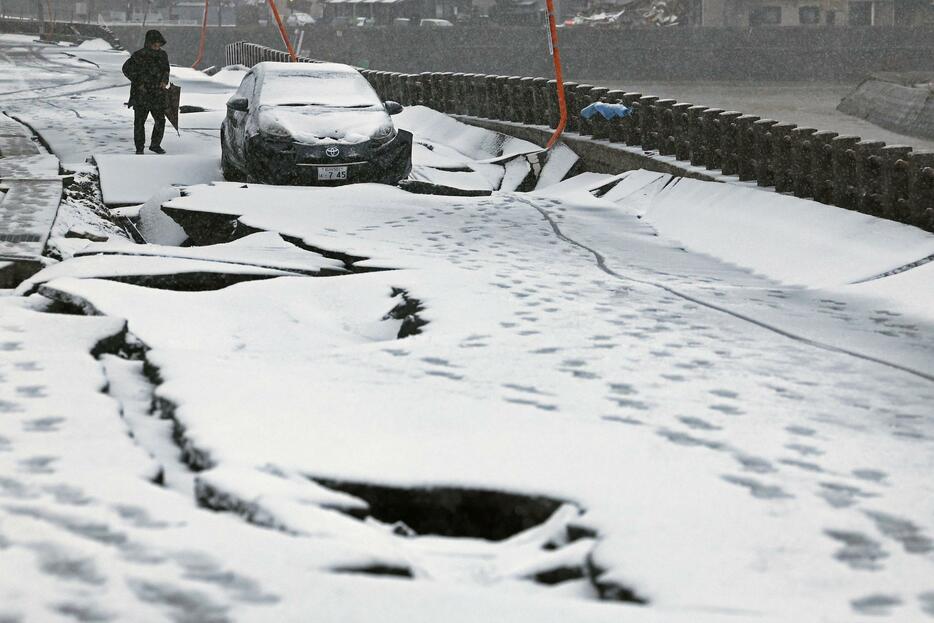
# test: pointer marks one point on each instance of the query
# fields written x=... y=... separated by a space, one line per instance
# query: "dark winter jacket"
x=148 y=70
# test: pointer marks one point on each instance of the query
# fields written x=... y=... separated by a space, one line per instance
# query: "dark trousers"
x=139 y=126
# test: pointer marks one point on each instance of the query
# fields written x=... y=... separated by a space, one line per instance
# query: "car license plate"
x=332 y=173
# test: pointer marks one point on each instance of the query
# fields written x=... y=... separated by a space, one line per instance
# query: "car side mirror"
x=393 y=108
x=240 y=104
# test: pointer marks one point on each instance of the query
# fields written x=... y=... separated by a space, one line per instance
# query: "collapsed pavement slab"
x=29 y=204
x=168 y=273
x=27 y=211
x=263 y=250
x=132 y=179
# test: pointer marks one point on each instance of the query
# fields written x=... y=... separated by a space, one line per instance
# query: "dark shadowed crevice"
x=175 y=282
x=577 y=532
x=407 y=310
x=560 y=575
x=378 y=569
x=350 y=261
x=449 y=511
x=210 y=497
x=187 y=281
x=195 y=458
x=611 y=590
x=205 y=228
x=427 y=188
x=122 y=344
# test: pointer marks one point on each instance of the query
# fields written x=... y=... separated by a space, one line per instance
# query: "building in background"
x=630 y=13
x=383 y=12
x=745 y=13
x=220 y=13
x=525 y=12
x=123 y=11
x=615 y=13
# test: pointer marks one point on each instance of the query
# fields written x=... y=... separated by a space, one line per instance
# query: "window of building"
x=860 y=14
x=809 y=15
x=765 y=16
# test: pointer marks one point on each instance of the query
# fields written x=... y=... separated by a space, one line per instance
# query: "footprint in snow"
x=840 y=495
x=758 y=489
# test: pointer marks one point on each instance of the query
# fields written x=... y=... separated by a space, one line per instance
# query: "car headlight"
x=263 y=144
x=384 y=133
x=275 y=130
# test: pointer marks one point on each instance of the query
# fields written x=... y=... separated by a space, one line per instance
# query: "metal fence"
x=887 y=181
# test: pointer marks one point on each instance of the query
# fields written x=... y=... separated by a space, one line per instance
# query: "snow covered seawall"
x=901 y=103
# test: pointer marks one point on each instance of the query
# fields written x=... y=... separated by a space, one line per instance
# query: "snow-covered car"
x=312 y=123
x=297 y=18
x=435 y=23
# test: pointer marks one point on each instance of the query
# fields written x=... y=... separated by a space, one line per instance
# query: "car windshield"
x=318 y=88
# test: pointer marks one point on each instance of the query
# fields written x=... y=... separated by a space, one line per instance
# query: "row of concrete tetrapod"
x=888 y=181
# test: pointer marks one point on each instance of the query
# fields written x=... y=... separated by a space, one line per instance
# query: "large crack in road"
x=444 y=534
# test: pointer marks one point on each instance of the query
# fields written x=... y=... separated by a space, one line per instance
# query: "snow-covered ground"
x=619 y=398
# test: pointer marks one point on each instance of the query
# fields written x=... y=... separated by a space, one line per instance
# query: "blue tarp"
x=607 y=111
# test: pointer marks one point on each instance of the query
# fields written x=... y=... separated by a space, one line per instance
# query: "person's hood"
x=154 y=36
x=315 y=125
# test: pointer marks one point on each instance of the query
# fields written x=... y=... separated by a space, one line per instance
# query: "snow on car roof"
x=305 y=68
x=324 y=84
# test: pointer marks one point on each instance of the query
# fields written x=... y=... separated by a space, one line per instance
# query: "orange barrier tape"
x=559 y=78
x=285 y=35
x=204 y=31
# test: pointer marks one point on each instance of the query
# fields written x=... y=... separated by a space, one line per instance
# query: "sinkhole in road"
x=454 y=535
x=486 y=537
x=449 y=511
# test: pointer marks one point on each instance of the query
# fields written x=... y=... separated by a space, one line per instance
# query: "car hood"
x=316 y=125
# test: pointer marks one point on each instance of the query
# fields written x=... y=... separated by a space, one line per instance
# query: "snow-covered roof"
x=331 y=84
x=303 y=68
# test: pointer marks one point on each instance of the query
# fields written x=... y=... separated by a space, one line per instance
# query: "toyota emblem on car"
x=332 y=152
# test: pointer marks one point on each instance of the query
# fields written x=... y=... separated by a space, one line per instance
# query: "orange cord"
x=559 y=78
x=204 y=30
x=285 y=35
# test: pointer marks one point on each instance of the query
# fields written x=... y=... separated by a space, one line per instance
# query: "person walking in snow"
x=148 y=72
